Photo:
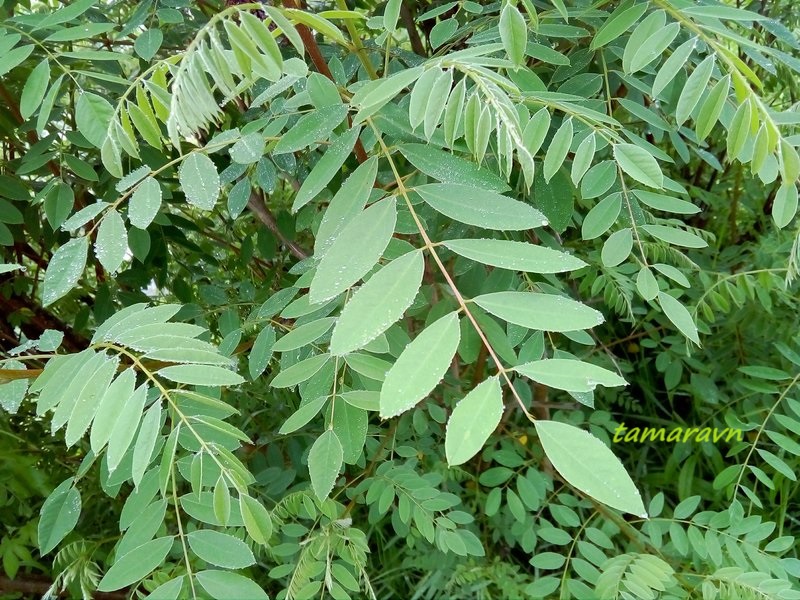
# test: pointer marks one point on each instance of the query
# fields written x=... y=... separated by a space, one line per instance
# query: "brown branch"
x=39 y=585
x=258 y=206
x=411 y=27
x=40 y=319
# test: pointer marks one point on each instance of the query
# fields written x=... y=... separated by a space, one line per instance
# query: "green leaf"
x=378 y=303
x=420 y=366
x=144 y=526
x=587 y=464
x=249 y=149
x=148 y=42
x=390 y=15
x=201 y=375
x=513 y=33
x=256 y=519
x=313 y=127
x=570 y=375
x=784 y=206
x=675 y=236
x=136 y=564
x=355 y=251
x=645 y=32
x=299 y=372
x=222 y=585
x=695 y=87
x=639 y=164
x=145 y=203
x=679 y=315
x=617 y=247
x=115 y=397
x=473 y=420
x=517 y=256
x=545 y=312
x=80 y=32
x=128 y=417
x=324 y=461
x=303 y=415
x=449 y=168
x=712 y=107
x=482 y=208
x=167 y=591
x=350 y=425
x=112 y=241
x=646 y=284
x=348 y=203
x=65 y=269
x=200 y=181
x=667 y=203
x=672 y=65
x=88 y=400
x=261 y=351
x=146 y=442
x=47 y=104
x=326 y=168
x=14 y=57
x=557 y=152
x=220 y=549
x=304 y=335
x=421 y=94
x=59 y=515
x=583 y=158
x=93 y=115
x=602 y=216
x=66 y=13
x=654 y=47
x=623 y=17
x=34 y=90
x=372 y=96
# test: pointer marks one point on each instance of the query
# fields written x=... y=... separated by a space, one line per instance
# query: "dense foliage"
x=352 y=300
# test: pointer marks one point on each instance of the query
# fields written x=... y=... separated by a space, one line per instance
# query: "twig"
x=258 y=206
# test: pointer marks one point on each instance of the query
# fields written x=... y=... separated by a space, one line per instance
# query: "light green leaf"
x=146 y=442
x=602 y=216
x=645 y=31
x=390 y=15
x=623 y=17
x=474 y=419
x=570 y=375
x=378 y=303
x=59 y=515
x=65 y=269
x=672 y=65
x=84 y=215
x=304 y=335
x=679 y=315
x=639 y=164
x=348 y=202
x=88 y=400
x=517 y=256
x=536 y=130
x=66 y=13
x=313 y=127
x=557 y=151
x=654 y=47
x=326 y=168
x=14 y=57
x=712 y=107
x=299 y=372
x=667 y=203
x=128 y=417
x=144 y=526
x=448 y=168
x=220 y=549
x=93 y=114
x=513 y=33
x=7 y=268
x=583 y=158
x=79 y=32
x=372 y=96
x=145 y=203
x=303 y=415
x=200 y=181
x=421 y=95
x=482 y=208
x=249 y=149
x=115 y=397
x=167 y=591
x=112 y=241
x=201 y=375
x=355 y=251
x=136 y=564
x=784 y=206
x=695 y=87
x=261 y=351
x=433 y=110
x=34 y=90
x=420 y=366
x=256 y=519
x=675 y=236
x=617 y=247
x=222 y=585
x=148 y=42
x=646 y=284
x=324 y=461
x=545 y=312
x=587 y=463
